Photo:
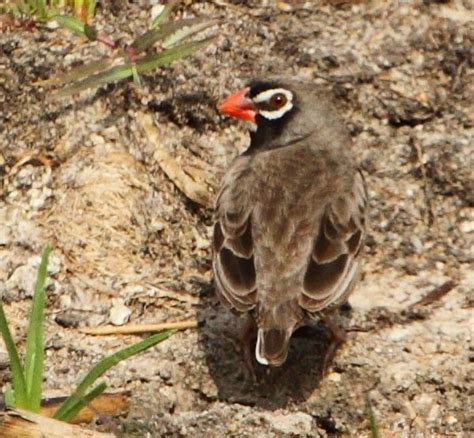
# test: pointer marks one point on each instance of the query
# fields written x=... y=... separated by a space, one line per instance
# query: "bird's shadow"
x=274 y=388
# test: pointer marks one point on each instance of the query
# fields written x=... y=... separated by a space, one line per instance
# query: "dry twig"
x=138 y=328
x=436 y=294
x=103 y=405
x=16 y=423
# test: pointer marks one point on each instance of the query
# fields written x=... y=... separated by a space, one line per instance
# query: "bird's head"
x=283 y=111
x=260 y=102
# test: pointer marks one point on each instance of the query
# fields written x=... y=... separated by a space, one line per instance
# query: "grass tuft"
x=26 y=389
x=374 y=430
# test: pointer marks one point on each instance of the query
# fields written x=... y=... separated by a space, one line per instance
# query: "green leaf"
x=81 y=403
x=152 y=36
x=71 y=23
x=104 y=365
x=78 y=72
x=167 y=56
x=34 y=341
x=110 y=75
x=164 y=14
x=90 y=32
x=18 y=377
x=187 y=31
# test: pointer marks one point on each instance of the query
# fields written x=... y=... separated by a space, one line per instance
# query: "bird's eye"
x=278 y=100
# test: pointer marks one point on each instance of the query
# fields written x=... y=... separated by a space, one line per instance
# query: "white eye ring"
x=265 y=96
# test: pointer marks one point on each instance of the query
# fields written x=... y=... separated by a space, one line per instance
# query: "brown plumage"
x=290 y=217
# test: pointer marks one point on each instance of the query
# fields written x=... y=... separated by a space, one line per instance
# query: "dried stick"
x=138 y=328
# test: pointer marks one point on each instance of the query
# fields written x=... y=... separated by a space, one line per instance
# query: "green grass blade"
x=9 y=396
x=374 y=430
x=42 y=11
x=82 y=402
x=18 y=377
x=164 y=14
x=34 y=341
x=110 y=75
x=186 y=32
x=91 y=4
x=104 y=365
x=71 y=23
x=136 y=76
x=152 y=36
x=167 y=56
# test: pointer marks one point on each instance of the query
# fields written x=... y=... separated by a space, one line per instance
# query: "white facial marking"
x=267 y=95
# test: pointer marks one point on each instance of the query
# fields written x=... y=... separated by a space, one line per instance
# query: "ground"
x=100 y=176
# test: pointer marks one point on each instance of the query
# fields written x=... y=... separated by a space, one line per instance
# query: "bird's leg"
x=247 y=339
x=244 y=343
x=338 y=336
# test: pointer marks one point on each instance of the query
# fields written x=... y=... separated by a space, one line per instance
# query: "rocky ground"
x=121 y=181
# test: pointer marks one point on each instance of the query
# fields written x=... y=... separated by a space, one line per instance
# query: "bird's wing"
x=334 y=262
x=232 y=241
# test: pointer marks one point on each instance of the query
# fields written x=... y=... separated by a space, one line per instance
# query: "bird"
x=290 y=217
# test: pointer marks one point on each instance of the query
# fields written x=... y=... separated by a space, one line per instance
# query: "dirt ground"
x=100 y=176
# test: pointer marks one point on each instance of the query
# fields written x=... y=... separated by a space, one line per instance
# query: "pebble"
x=467 y=227
x=297 y=423
x=397 y=334
x=23 y=280
x=334 y=377
x=119 y=314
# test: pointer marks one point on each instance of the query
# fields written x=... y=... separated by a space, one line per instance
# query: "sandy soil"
x=84 y=174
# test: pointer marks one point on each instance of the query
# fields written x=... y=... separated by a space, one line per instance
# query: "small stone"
x=119 y=314
x=52 y=25
x=417 y=244
x=54 y=265
x=284 y=6
x=467 y=227
x=201 y=243
x=397 y=334
x=23 y=279
x=433 y=415
x=296 y=423
x=24 y=177
x=69 y=318
x=334 y=377
x=65 y=301
x=168 y=397
x=451 y=420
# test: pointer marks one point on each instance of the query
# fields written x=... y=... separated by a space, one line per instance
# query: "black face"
x=275 y=106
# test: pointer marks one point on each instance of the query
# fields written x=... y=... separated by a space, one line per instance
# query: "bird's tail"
x=272 y=346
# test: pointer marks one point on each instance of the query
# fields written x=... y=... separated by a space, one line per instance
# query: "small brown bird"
x=290 y=217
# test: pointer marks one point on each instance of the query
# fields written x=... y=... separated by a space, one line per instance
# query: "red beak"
x=239 y=105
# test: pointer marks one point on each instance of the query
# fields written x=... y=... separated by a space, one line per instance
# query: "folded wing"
x=334 y=262
x=232 y=245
